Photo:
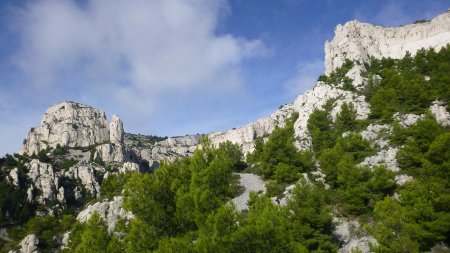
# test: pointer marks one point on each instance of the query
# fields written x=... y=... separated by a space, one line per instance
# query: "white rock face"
x=14 y=174
x=116 y=130
x=440 y=114
x=128 y=166
x=44 y=179
x=110 y=211
x=246 y=135
x=407 y=120
x=316 y=98
x=109 y=152
x=251 y=183
x=402 y=179
x=169 y=149
x=359 y=41
x=374 y=135
x=68 y=124
x=85 y=172
x=29 y=244
x=384 y=157
x=350 y=233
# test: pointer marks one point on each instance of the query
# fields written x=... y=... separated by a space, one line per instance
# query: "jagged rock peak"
x=68 y=124
x=359 y=41
x=116 y=130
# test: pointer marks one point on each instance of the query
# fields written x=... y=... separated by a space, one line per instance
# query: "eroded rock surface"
x=359 y=41
x=68 y=124
x=110 y=211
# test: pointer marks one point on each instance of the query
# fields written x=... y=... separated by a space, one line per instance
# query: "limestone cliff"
x=359 y=41
x=67 y=124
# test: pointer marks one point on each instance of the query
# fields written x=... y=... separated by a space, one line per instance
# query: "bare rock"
x=85 y=172
x=407 y=120
x=440 y=114
x=316 y=98
x=246 y=135
x=352 y=236
x=385 y=157
x=29 y=244
x=14 y=175
x=68 y=124
x=129 y=166
x=359 y=41
x=376 y=134
x=110 y=152
x=110 y=211
x=402 y=179
x=44 y=179
x=116 y=134
x=251 y=183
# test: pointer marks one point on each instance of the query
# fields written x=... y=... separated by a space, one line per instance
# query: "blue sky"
x=171 y=67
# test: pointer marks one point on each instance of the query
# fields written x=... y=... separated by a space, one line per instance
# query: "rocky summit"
x=345 y=166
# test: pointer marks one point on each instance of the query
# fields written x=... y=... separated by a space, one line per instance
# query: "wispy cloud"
x=305 y=78
x=129 y=57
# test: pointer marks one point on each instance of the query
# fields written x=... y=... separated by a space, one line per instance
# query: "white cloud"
x=150 y=45
x=306 y=76
x=142 y=59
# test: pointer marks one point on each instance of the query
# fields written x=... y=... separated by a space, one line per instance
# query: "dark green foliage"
x=47 y=227
x=320 y=127
x=338 y=77
x=278 y=158
x=408 y=85
x=357 y=189
x=304 y=225
x=310 y=218
x=93 y=237
x=113 y=185
x=179 y=196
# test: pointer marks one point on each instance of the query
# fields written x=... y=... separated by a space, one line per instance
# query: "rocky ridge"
x=73 y=125
x=358 y=41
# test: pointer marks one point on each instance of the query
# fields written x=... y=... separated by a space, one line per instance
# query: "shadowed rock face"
x=68 y=124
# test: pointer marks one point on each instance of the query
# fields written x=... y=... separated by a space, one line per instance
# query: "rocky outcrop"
x=441 y=115
x=14 y=175
x=130 y=167
x=29 y=244
x=246 y=135
x=316 y=98
x=168 y=149
x=407 y=120
x=251 y=183
x=352 y=236
x=68 y=124
x=359 y=41
x=116 y=130
x=44 y=179
x=376 y=135
x=110 y=152
x=386 y=157
x=110 y=211
x=86 y=172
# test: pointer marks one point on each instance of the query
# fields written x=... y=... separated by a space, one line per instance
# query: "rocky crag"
x=96 y=147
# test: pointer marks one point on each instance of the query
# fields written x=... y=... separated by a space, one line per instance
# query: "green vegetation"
x=338 y=77
x=278 y=159
x=184 y=206
x=408 y=85
x=114 y=184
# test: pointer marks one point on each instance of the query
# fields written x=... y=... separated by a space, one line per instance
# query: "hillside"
x=360 y=163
